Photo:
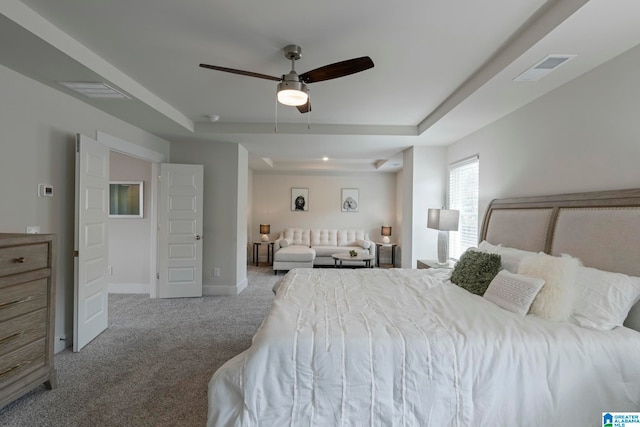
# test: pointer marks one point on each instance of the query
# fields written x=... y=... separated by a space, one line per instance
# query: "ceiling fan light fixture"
x=293 y=93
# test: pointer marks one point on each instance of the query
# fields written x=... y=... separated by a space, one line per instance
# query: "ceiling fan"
x=292 y=89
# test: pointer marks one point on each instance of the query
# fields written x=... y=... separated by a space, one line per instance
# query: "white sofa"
x=303 y=247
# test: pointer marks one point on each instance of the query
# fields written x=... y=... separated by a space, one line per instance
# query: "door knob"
x=198 y=237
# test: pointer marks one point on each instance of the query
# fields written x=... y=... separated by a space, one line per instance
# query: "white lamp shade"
x=443 y=219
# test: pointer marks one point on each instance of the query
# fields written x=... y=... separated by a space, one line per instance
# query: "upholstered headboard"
x=601 y=228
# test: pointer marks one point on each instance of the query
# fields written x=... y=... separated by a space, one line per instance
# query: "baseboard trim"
x=129 y=288
x=224 y=290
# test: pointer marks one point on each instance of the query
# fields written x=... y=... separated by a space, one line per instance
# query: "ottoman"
x=293 y=257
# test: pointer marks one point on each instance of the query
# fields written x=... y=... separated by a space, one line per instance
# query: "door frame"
x=155 y=158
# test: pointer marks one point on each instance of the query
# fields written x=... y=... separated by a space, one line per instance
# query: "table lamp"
x=386 y=232
x=443 y=220
x=265 y=229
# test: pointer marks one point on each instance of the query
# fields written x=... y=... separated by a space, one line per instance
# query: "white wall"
x=271 y=202
x=37 y=142
x=423 y=187
x=225 y=195
x=584 y=136
x=130 y=238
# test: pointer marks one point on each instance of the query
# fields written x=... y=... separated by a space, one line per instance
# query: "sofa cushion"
x=364 y=243
x=324 y=237
x=350 y=237
x=297 y=236
x=295 y=253
x=284 y=243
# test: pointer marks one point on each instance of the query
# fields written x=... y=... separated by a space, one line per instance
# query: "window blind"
x=463 y=196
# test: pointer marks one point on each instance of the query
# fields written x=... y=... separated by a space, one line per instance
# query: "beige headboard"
x=601 y=228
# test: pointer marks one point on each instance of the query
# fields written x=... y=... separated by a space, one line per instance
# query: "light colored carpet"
x=152 y=365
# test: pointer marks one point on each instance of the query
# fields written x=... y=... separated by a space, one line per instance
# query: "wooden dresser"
x=27 y=303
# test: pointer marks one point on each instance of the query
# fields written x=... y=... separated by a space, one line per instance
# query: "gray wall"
x=584 y=136
x=37 y=138
x=225 y=199
x=271 y=202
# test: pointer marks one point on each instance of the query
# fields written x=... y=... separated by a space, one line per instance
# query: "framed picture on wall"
x=300 y=199
x=350 y=200
x=126 y=199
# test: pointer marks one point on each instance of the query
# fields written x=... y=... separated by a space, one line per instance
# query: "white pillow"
x=365 y=244
x=513 y=292
x=603 y=299
x=510 y=257
x=284 y=243
x=555 y=299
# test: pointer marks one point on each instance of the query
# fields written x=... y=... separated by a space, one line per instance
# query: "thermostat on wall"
x=45 y=190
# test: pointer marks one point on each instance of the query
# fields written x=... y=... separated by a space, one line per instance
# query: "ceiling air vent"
x=95 y=90
x=543 y=67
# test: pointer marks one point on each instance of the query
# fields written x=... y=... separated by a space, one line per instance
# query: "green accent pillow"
x=475 y=271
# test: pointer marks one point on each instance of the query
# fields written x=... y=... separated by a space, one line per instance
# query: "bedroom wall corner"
x=423 y=187
x=583 y=136
x=39 y=126
x=224 y=228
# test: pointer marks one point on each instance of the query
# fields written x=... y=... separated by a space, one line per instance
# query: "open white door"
x=180 y=231
x=92 y=212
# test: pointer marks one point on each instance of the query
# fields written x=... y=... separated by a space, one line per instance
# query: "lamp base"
x=386 y=240
x=443 y=247
x=265 y=237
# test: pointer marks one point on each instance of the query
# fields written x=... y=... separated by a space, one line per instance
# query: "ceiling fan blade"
x=241 y=72
x=305 y=108
x=339 y=69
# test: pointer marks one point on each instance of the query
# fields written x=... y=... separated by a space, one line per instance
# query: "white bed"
x=406 y=347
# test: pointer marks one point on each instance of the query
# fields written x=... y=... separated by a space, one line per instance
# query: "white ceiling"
x=443 y=69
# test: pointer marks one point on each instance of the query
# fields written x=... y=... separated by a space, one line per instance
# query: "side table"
x=256 y=247
x=432 y=263
x=393 y=252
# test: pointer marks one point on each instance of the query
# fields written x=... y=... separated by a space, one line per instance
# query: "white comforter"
x=408 y=348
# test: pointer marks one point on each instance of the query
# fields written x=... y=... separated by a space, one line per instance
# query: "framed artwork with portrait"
x=300 y=199
x=350 y=200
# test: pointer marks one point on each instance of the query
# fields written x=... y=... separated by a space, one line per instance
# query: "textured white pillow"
x=510 y=257
x=603 y=299
x=365 y=244
x=513 y=292
x=284 y=243
x=555 y=299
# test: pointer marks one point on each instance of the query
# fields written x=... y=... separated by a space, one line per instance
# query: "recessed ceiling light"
x=325 y=158
x=95 y=90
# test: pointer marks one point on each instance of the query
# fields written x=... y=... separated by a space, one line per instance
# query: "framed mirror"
x=125 y=199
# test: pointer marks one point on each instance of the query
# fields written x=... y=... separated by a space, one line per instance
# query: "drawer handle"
x=20 y=260
x=12 y=303
x=10 y=337
x=11 y=369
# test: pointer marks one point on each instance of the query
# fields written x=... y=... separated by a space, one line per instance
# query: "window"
x=463 y=196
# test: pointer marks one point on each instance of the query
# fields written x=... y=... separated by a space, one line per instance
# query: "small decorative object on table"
x=353 y=253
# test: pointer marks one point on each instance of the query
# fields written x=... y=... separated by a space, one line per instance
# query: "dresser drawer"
x=23 y=298
x=22 y=330
x=22 y=361
x=21 y=258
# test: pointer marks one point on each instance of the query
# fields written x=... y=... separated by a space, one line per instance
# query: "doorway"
x=153 y=159
x=129 y=236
